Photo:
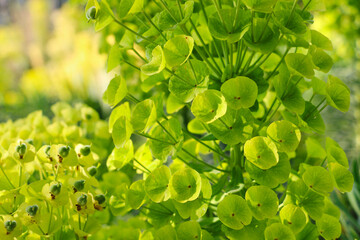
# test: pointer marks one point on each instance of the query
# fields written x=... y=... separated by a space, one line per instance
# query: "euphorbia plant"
x=227 y=96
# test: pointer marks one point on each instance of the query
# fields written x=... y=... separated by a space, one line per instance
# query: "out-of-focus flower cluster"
x=48 y=173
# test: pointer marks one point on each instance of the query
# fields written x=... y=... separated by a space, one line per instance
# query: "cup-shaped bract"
x=185 y=185
x=234 y=212
x=178 y=49
x=285 y=135
x=261 y=152
x=279 y=231
x=136 y=194
x=240 y=92
x=262 y=201
x=189 y=230
x=157 y=183
x=209 y=106
x=293 y=217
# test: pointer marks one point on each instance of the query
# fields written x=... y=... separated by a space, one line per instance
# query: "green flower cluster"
x=228 y=102
x=49 y=188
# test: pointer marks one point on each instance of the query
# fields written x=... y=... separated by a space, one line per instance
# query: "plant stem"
x=7 y=178
x=139 y=55
x=50 y=219
x=314 y=109
x=220 y=16
x=205 y=48
x=308 y=3
x=266 y=24
x=278 y=65
x=203 y=9
x=218 y=52
x=42 y=231
x=141 y=165
x=87 y=216
x=247 y=63
x=170 y=135
x=155 y=210
x=180 y=10
x=292 y=12
x=152 y=138
x=224 y=123
x=204 y=144
x=20 y=174
x=79 y=220
x=200 y=161
x=132 y=31
x=252 y=26
x=153 y=24
x=132 y=65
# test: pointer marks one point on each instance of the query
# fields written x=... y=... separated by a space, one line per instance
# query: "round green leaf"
x=189 y=230
x=338 y=94
x=143 y=115
x=329 y=227
x=116 y=56
x=157 y=63
x=285 y=135
x=234 y=127
x=262 y=37
x=185 y=185
x=163 y=145
x=290 y=22
x=279 y=232
x=197 y=208
x=300 y=64
x=156 y=184
x=315 y=152
x=209 y=106
x=261 y=152
x=255 y=230
x=318 y=179
x=335 y=153
x=233 y=212
x=122 y=110
x=239 y=92
x=206 y=235
x=319 y=86
x=115 y=91
x=166 y=233
x=122 y=130
x=262 y=201
x=129 y=6
x=343 y=178
x=293 y=99
x=312 y=118
x=189 y=80
x=135 y=196
x=331 y=209
x=196 y=126
x=311 y=201
x=273 y=176
x=178 y=49
x=293 y=217
x=321 y=41
x=119 y=157
x=225 y=28
x=321 y=59
x=173 y=104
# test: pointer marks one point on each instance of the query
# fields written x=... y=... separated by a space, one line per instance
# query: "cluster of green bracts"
x=227 y=96
x=48 y=174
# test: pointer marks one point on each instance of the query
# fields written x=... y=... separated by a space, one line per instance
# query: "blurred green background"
x=49 y=52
